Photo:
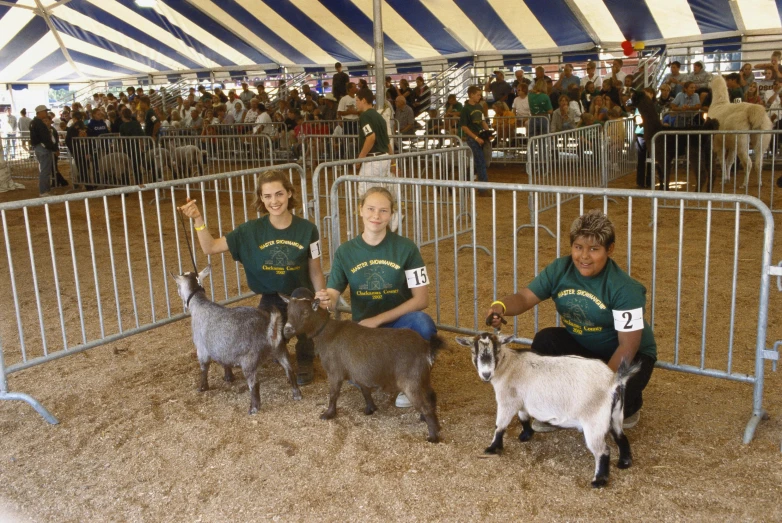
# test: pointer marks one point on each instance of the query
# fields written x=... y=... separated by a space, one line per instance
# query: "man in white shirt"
x=263 y=122
x=592 y=76
x=616 y=71
x=348 y=111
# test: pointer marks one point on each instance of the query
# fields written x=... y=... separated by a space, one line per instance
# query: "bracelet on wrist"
x=498 y=302
x=201 y=228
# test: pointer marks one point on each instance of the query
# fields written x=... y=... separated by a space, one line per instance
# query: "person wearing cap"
x=340 y=82
x=498 y=87
x=45 y=149
x=699 y=77
x=329 y=110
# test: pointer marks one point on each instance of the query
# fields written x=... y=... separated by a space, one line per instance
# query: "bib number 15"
x=416 y=277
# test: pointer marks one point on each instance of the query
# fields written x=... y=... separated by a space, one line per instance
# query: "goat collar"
x=198 y=289
x=322 y=327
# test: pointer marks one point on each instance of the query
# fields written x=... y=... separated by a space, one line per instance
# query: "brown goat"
x=391 y=359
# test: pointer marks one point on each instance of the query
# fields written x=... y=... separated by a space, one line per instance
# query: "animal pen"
x=84 y=270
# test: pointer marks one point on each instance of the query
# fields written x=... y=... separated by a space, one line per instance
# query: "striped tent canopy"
x=77 y=40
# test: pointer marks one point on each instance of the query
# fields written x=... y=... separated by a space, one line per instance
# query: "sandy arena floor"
x=138 y=442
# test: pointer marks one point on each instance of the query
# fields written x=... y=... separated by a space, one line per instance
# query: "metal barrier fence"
x=724 y=162
x=316 y=148
x=109 y=161
x=621 y=152
x=513 y=135
x=20 y=157
x=682 y=118
x=82 y=270
x=574 y=158
x=694 y=303
x=188 y=156
x=453 y=165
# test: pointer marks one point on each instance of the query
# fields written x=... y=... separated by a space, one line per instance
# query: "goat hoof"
x=369 y=410
x=253 y=410
x=297 y=394
x=492 y=450
x=599 y=482
x=526 y=436
x=433 y=439
x=328 y=415
x=624 y=463
x=421 y=418
x=203 y=388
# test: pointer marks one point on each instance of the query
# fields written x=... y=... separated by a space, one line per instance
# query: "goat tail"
x=623 y=374
x=436 y=344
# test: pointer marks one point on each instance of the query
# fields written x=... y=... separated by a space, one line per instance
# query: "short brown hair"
x=473 y=89
x=593 y=225
x=366 y=95
x=271 y=177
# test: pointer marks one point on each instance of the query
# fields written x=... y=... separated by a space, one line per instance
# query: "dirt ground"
x=138 y=442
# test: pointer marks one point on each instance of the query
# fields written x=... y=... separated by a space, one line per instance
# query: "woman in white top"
x=521 y=102
x=238 y=111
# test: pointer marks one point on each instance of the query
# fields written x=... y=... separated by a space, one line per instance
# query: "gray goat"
x=566 y=391
x=238 y=336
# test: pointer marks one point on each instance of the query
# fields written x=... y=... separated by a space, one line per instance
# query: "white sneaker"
x=632 y=421
x=402 y=401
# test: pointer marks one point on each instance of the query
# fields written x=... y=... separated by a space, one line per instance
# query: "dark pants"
x=557 y=341
x=305 y=349
x=479 y=160
x=642 y=170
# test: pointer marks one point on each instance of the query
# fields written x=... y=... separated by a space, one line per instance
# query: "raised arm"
x=208 y=244
x=514 y=304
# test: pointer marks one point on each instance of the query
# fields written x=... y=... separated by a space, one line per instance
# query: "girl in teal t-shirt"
x=280 y=252
x=601 y=306
x=385 y=272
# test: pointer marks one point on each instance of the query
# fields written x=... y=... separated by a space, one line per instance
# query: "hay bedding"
x=136 y=441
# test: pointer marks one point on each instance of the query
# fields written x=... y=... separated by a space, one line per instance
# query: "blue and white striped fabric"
x=99 y=39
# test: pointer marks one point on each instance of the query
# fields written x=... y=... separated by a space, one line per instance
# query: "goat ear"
x=315 y=304
x=504 y=340
x=286 y=299
x=204 y=273
x=466 y=341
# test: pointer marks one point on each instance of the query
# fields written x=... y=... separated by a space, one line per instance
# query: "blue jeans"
x=45 y=168
x=417 y=321
x=478 y=160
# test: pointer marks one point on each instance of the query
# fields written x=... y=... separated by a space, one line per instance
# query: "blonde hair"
x=540 y=86
x=378 y=190
x=593 y=225
x=271 y=177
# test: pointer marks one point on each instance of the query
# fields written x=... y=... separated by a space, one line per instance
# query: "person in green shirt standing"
x=471 y=123
x=280 y=252
x=539 y=106
x=386 y=274
x=601 y=306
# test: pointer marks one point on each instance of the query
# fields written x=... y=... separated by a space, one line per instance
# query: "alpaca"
x=738 y=117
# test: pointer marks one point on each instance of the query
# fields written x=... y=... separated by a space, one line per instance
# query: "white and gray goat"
x=565 y=391
x=236 y=336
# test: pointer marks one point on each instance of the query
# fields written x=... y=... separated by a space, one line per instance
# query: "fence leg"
x=40 y=409
x=749 y=432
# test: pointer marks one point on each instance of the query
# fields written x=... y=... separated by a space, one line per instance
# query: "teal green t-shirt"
x=275 y=260
x=593 y=308
x=539 y=103
x=380 y=277
x=370 y=122
x=471 y=117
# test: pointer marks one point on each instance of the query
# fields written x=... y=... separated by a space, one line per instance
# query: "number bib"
x=629 y=321
x=315 y=249
x=416 y=277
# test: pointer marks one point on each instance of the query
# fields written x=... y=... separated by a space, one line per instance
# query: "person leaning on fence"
x=471 y=124
x=385 y=272
x=280 y=252
x=46 y=151
x=601 y=306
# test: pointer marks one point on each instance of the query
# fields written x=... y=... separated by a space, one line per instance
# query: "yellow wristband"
x=199 y=229
x=498 y=302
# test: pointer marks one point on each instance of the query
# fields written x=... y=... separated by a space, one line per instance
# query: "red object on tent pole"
x=627 y=45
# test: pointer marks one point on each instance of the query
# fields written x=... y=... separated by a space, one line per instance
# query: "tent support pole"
x=380 y=65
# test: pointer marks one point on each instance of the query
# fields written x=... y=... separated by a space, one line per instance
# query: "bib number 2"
x=416 y=277
x=628 y=321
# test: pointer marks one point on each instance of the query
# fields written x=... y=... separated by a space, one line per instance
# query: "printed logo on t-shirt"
x=375 y=275
x=279 y=254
